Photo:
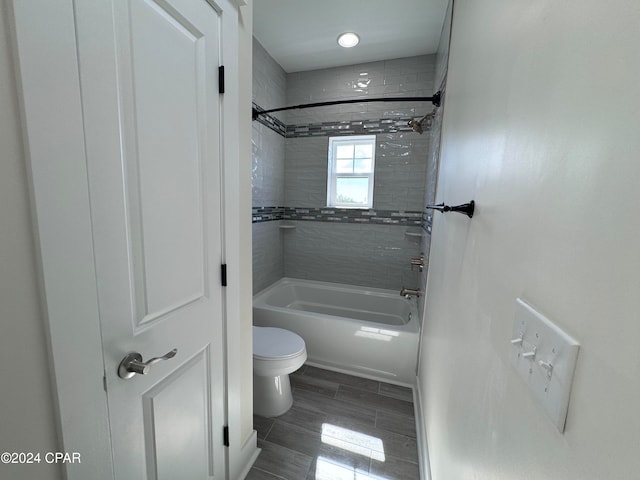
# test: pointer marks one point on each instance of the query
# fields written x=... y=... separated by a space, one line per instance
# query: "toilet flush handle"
x=132 y=363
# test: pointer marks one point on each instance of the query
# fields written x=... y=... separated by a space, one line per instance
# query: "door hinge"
x=223 y=274
x=221 y=79
x=225 y=436
x=104 y=382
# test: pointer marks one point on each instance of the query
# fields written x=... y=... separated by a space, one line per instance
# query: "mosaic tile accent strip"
x=340 y=215
x=266 y=214
x=338 y=128
x=351 y=127
x=270 y=121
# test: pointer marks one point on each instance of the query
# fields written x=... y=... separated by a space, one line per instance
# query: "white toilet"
x=276 y=354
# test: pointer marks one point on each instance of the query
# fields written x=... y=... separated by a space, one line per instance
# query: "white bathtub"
x=369 y=332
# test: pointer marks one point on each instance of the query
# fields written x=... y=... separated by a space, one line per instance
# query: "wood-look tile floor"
x=340 y=427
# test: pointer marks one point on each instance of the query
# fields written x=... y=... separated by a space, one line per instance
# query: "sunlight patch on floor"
x=352 y=441
x=330 y=470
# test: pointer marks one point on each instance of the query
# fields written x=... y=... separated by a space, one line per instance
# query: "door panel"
x=176 y=417
x=152 y=126
x=169 y=127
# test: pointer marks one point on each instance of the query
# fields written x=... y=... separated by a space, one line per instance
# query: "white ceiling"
x=301 y=34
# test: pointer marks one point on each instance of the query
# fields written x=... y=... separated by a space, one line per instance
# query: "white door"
x=151 y=107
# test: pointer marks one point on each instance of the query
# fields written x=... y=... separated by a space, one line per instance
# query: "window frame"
x=333 y=175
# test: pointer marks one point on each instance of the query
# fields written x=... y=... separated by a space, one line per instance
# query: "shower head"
x=416 y=125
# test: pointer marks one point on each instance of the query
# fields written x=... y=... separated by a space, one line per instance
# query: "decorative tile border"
x=339 y=215
x=270 y=121
x=338 y=128
x=350 y=127
x=266 y=214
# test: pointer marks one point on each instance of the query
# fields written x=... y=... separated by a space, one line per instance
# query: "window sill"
x=349 y=207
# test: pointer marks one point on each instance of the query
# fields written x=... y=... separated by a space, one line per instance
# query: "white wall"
x=541 y=129
x=27 y=420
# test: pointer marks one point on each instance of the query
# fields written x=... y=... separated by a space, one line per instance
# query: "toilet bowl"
x=276 y=354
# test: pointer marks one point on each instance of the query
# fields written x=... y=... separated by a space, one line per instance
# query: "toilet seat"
x=273 y=344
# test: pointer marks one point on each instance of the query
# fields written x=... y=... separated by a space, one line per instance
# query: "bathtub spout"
x=406 y=292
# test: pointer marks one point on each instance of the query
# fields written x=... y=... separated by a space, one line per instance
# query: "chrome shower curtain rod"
x=435 y=99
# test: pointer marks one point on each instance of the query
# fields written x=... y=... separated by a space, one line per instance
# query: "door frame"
x=50 y=98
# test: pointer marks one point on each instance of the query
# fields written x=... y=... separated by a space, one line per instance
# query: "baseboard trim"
x=362 y=373
x=249 y=453
x=421 y=433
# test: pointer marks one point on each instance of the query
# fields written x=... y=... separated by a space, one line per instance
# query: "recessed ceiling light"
x=348 y=40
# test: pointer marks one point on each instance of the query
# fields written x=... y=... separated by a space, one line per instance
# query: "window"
x=350 y=172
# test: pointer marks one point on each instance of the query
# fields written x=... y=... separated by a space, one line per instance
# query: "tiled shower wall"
x=433 y=159
x=402 y=77
x=363 y=254
x=267 y=175
x=372 y=253
x=399 y=179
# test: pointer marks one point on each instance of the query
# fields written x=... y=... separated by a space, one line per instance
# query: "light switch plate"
x=549 y=371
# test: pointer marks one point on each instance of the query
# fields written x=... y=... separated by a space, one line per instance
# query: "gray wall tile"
x=412 y=76
x=367 y=255
x=401 y=158
x=269 y=91
x=400 y=172
x=268 y=260
x=305 y=172
x=442 y=55
x=267 y=175
x=433 y=158
x=294 y=172
x=269 y=81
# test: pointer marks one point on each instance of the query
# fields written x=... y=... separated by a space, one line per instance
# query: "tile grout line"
x=382 y=396
x=269 y=431
x=377 y=417
x=290 y=450
x=280 y=477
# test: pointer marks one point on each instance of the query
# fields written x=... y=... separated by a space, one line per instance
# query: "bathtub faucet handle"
x=417 y=262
